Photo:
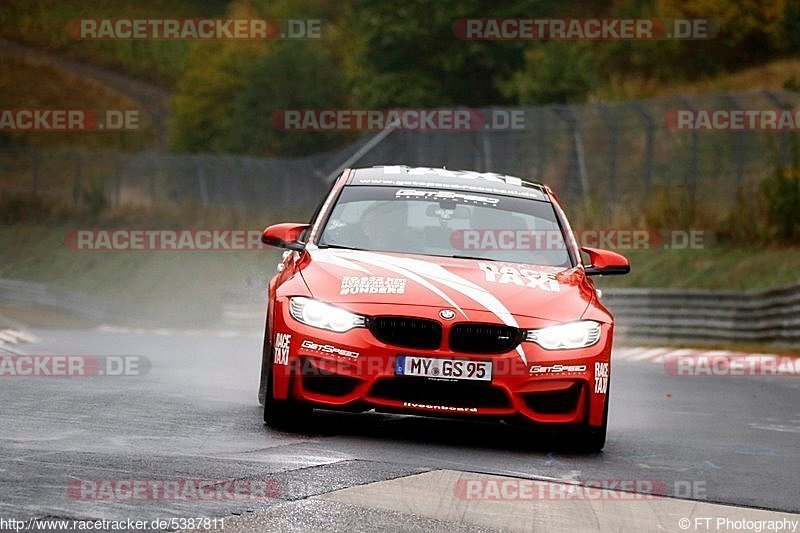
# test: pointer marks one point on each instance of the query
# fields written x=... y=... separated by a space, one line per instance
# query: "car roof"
x=441 y=178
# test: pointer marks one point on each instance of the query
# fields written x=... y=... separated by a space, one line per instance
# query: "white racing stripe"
x=381 y=261
x=437 y=273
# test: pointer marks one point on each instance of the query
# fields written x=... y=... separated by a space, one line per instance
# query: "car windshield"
x=446 y=223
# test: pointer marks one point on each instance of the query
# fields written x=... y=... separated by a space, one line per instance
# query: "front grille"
x=409 y=332
x=484 y=338
x=453 y=394
x=554 y=403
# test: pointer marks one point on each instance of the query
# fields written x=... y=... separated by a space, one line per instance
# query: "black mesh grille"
x=453 y=394
x=321 y=381
x=484 y=338
x=409 y=332
x=554 y=403
x=331 y=385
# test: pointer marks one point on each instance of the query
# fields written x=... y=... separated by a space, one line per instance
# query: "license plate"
x=433 y=367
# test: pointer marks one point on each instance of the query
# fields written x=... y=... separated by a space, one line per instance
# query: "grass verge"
x=720 y=267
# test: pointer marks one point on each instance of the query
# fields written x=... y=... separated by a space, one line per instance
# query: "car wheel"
x=283 y=414
x=278 y=414
x=266 y=361
x=592 y=439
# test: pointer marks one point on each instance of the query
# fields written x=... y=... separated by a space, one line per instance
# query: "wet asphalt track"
x=195 y=415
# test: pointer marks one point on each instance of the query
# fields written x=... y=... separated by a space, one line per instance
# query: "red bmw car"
x=428 y=291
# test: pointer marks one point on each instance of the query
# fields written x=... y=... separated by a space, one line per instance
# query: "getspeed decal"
x=601 y=378
x=372 y=285
x=327 y=349
x=556 y=369
x=281 y=349
x=523 y=277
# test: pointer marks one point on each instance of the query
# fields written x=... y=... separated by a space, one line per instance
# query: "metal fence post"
x=152 y=178
x=783 y=138
x=577 y=160
x=739 y=142
x=202 y=187
x=649 y=132
x=117 y=182
x=78 y=170
x=486 y=151
x=35 y=172
x=612 y=122
x=691 y=175
x=543 y=131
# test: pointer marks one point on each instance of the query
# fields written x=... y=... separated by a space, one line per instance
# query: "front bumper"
x=356 y=371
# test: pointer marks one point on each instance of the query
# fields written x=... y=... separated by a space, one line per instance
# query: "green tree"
x=406 y=53
x=230 y=89
x=555 y=72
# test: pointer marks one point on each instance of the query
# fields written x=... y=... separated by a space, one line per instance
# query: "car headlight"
x=321 y=315
x=566 y=336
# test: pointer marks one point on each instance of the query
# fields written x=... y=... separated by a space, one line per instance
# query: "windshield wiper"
x=338 y=246
x=470 y=257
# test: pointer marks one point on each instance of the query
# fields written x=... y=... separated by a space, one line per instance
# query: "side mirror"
x=285 y=236
x=606 y=263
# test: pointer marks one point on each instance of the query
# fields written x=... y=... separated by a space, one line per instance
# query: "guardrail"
x=28 y=293
x=243 y=316
x=770 y=316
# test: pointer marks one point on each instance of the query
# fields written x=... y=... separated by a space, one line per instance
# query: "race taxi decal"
x=523 y=277
x=556 y=369
x=372 y=285
x=600 y=378
x=445 y=408
x=327 y=349
x=281 y=349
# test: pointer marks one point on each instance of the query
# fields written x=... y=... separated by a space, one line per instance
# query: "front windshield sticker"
x=447 y=195
x=485 y=186
x=524 y=277
x=372 y=285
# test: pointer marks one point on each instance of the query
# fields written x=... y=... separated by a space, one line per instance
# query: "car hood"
x=505 y=289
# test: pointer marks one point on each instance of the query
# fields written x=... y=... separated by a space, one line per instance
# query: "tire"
x=286 y=415
x=592 y=439
x=266 y=361
x=586 y=438
x=278 y=414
